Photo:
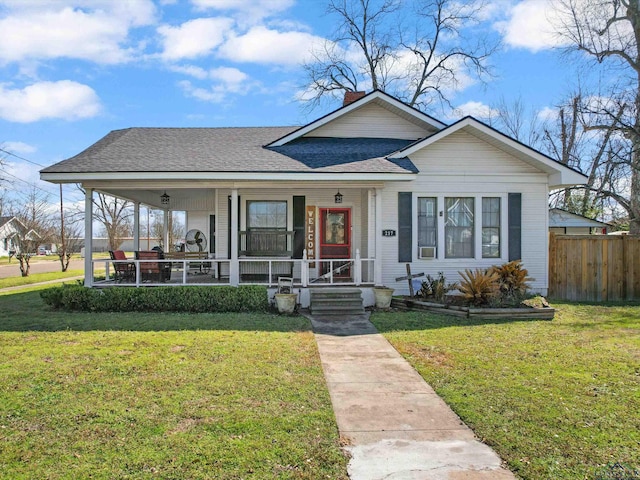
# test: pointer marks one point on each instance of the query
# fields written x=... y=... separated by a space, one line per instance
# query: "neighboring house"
x=14 y=233
x=349 y=198
x=562 y=222
x=10 y=229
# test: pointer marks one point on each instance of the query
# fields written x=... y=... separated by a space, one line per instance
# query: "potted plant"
x=286 y=300
x=383 y=296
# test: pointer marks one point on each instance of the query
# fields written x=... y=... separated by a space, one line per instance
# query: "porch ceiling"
x=182 y=192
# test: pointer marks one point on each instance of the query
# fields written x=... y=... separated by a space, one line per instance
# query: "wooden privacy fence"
x=594 y=267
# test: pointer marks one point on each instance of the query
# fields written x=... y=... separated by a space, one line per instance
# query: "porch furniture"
x=196 y=266
x=285 y=285
x=153 y=271
x=123 y=272
x=268 y=243
x=257 y=270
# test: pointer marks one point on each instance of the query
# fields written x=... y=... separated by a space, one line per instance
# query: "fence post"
x=625 y=269
x=552 y=264
x=358 y=268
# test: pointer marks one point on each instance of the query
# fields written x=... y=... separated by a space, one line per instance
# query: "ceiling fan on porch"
x=196 y=241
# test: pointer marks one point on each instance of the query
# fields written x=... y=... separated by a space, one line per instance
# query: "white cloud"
x=228 y=76
x=249 y=11
x=194 y=38
x=262 y=45
x=19 y=148
x=228 y=81
x=225 y=74
x=475 y=109
x=547 y=113
x=64 y=99
x=530 y=25
x=90 y=30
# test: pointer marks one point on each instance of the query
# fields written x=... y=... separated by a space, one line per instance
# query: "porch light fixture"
x=338 y=197
x=164 y=198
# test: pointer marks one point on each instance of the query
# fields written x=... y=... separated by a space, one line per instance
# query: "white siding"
x=463 y=154
x=370 y=121
x=469 y=167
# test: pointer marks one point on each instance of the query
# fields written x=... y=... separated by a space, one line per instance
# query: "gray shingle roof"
x=230 y=150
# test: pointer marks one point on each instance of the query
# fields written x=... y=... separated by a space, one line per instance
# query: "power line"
x=28 y=183
x=21 y=158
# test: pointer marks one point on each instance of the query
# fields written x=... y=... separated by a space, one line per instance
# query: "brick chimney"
x=350 y=97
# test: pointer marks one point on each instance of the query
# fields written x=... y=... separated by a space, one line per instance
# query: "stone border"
x=546 y=313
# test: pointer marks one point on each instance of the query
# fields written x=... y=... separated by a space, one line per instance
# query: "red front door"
x=335 y=240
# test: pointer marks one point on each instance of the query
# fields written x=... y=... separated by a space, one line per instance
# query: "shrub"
x=512 y=280
x=196 y=299
x=435 y=288
x=479 y=287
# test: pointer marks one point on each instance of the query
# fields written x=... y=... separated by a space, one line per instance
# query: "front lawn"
x=556 y=399
x=221 y=396
x=38 y=277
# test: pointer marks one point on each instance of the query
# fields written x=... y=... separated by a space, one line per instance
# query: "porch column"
x=165 y=229
x=377 y=273
x=88 y=237
x=136 y=226
x=234 y=265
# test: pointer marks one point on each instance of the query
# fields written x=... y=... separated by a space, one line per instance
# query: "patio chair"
x=124 y=272
x=153 y=271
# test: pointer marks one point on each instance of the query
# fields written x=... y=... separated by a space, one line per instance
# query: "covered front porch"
x=319 y=234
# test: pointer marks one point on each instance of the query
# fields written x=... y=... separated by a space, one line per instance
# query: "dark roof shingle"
x=230 y=150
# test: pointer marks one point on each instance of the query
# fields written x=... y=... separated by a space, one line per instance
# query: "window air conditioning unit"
x=427 y=252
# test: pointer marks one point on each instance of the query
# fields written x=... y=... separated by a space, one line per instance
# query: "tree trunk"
x=24 y=264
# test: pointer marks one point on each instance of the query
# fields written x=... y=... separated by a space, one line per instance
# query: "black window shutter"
x=515 y=226
x=405 y=222
x=299 y=219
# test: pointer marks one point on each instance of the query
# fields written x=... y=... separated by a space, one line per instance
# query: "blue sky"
x=73 y=70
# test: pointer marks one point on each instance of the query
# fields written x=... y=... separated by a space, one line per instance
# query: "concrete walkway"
x=394 y=424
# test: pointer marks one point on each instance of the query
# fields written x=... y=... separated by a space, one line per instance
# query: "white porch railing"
x=213 y=271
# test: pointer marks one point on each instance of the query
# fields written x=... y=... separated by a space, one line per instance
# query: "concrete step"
x=336 y=301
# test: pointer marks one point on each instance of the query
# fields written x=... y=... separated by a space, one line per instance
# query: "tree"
x=35 y=217
x=608 y=33
x=176 y=229
x=68 y=235
x=413 y=50
x=115 y=216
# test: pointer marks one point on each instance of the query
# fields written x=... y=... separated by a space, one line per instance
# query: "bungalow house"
x=562 y=222
x=14 y=235
x=10 y=229
x=347 y=199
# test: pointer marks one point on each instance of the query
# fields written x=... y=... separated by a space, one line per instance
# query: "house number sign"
x=310 y=234
x=388 y=233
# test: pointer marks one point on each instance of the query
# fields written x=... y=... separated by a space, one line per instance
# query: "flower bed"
x=524 y=312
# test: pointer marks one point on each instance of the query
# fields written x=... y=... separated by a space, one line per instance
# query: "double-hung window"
x=266 y=226
x=459 y=227
x=427 y=222
x=491 y=227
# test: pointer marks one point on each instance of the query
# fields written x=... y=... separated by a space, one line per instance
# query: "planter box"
x=473 y=312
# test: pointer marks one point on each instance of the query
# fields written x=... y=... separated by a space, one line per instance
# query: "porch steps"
x=336 y=301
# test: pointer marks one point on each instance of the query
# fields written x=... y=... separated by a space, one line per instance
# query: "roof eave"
x=70 y=177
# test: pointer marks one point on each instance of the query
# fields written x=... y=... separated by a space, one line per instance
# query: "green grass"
x=161 y=396
x=556 y=399
x=38 y=277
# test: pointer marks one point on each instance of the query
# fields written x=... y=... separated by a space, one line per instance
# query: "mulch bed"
x=455 y=308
